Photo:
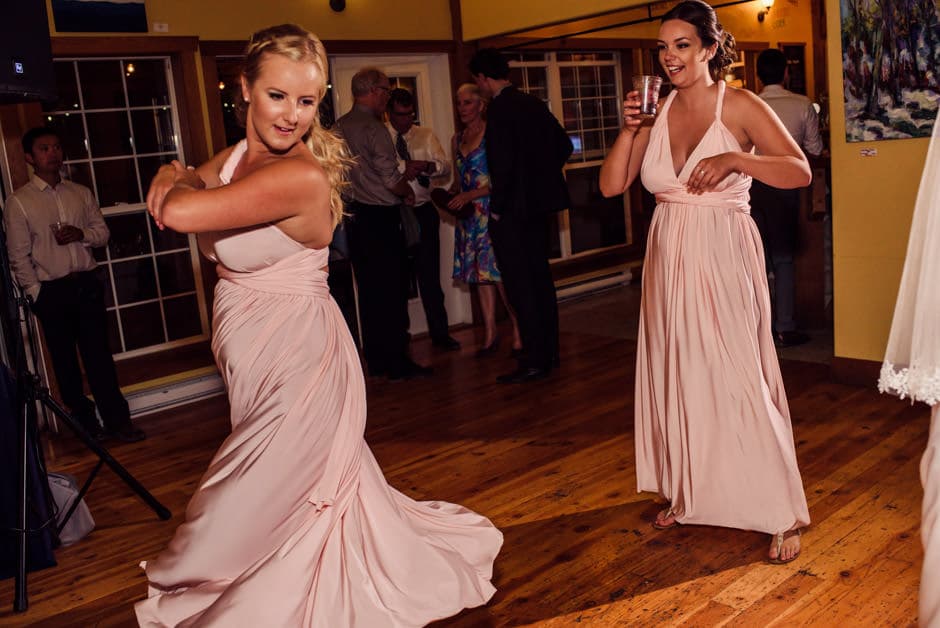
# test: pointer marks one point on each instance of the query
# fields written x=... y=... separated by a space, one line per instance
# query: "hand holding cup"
x=632 y=119
x=66 y=234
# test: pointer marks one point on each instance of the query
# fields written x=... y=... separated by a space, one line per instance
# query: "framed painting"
x=890 y=56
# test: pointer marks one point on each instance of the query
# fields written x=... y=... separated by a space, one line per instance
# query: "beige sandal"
x=668 y=513
x=779 y=538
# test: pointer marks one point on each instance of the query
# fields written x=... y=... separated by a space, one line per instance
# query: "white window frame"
x=134 y=208
x=556 y=105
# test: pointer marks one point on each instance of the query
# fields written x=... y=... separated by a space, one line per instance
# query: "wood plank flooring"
x=552 y=465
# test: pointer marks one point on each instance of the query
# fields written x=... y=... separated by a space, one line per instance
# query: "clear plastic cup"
x=648 y=87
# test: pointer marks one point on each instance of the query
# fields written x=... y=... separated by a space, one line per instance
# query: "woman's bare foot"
x=784 y=547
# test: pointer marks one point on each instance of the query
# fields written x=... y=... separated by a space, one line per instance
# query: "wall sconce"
x=763 y=12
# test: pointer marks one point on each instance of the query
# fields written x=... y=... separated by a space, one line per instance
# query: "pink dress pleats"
x=713 y=433
x=293 y=524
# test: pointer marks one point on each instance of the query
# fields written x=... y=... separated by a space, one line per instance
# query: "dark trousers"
x=72 y=313
x=426 y=260
x=776 y=213
x=377 y=252
x=521 y=245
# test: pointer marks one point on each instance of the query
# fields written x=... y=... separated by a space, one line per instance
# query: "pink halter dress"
x=293 y=523
x=713 y=433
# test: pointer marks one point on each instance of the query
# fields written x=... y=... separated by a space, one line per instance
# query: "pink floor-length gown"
x=713 y=432
x=293 y=523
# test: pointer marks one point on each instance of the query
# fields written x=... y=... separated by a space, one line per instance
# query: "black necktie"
x=402 y=148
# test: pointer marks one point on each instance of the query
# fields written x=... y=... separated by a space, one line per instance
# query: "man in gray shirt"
x=376 y=244
x=776 y=211
x=51 y=226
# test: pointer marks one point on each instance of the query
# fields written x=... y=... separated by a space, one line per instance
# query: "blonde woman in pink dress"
x=293 y=523
x=713 y=433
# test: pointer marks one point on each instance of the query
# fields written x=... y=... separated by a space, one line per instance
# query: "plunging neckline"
x=688 y=158
x=467 y=154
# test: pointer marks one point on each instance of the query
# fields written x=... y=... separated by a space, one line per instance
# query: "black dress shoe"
x=409 y=370
x=446 y=343
x=790 y=338
x=523 y=375
x=128 y=434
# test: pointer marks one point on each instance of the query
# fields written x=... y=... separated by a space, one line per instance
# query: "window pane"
x=608 y=78
x=153 y=131
x=587 y=80
x=71 y=133
x=537 y=81
x=589 y=109
x=102 y=87
x=79 y=172
x=571 y=114
x=114 y=140
x=134 y=280
x=167 y=239
x=109 y=133
x=182 y=317
x=569 y=82
x=146 y=84
x=66 y=86
x=585 y=56
x=143 y=325
x=149 y=166
x=128 y=235
x=117 y=182
x=176 y=273
x=595 y=221
x=593 y=140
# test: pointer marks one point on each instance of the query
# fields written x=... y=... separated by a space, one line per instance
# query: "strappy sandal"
x=779 y=538
x=662 y=516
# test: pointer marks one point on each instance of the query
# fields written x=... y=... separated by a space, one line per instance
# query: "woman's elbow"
x=805 y=175
x=174 y=215
x=609 y=188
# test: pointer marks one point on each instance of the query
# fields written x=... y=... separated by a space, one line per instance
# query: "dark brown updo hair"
x=702 y=16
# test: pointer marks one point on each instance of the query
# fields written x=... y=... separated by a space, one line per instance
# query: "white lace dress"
x=911 y=367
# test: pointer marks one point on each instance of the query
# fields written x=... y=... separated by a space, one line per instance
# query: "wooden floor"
x=552 y=465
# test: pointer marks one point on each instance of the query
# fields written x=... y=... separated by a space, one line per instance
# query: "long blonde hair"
x=299 y=44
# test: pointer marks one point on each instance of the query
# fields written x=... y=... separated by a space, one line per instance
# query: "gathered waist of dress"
x=733 y=201
x=297 y=275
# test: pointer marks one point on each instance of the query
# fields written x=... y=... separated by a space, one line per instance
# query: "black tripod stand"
x=29 y=391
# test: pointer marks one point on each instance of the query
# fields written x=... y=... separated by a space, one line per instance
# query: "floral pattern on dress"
x=474 y=260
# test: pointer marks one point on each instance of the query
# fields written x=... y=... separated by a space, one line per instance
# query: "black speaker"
x=26 y=71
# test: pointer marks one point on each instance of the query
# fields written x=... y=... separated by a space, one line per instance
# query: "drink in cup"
x=648 y=88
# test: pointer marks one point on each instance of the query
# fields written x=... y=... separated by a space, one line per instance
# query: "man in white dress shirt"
x=776 y=211
x=51 y=226
x=420 y=158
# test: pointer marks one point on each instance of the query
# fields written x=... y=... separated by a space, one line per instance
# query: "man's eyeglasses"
x=402 y=114
x=384 y=88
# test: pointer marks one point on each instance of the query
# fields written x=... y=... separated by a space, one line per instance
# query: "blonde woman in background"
x=474 y=261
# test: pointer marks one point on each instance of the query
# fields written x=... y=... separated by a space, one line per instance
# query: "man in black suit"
x=526 y=149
